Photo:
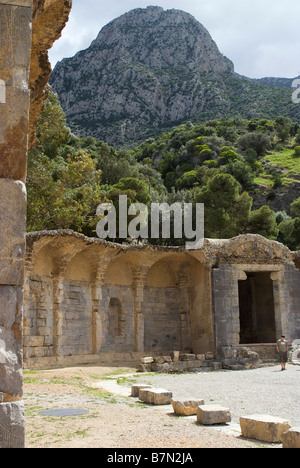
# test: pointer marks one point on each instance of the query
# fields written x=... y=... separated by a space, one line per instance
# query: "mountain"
x=279 y=82
x=152 y=69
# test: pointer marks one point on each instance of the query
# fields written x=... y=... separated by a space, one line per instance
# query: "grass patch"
x=286 y=160
x=126 y=380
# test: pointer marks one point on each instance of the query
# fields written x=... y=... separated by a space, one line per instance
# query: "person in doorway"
x=283 y=348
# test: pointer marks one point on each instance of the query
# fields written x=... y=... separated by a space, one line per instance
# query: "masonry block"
x=210 y=415
x=12 y=231
x=11 y=307
x=135 y=389
x=156 y=396
x=265 y=428
x=291 y=438
x=12 y=433
x=186 y=408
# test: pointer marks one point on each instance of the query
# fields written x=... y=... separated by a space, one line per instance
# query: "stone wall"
x=15 y=40
x=87 y=300
x=21 y=98
x=264 y=260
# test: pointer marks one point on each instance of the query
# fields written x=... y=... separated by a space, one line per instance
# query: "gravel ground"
x=260 y=391
x=116 y=420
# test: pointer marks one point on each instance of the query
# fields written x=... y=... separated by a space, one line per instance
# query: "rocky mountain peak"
x=147 y=71
x=160 y=39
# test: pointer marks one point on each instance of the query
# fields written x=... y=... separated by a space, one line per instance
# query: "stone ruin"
x=230 y=358
x=88 y=301
x=27 y=30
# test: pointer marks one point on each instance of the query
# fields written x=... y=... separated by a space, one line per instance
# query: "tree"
x=283 y=128
x=289 y=232
x=187 y=180
x=226 y=209
x=241 y=171
x=62 y=194
x=263 y=222
x=52 y=131
x=259 y=142
x=139 y=190
x=228 y=155
x=295 y=208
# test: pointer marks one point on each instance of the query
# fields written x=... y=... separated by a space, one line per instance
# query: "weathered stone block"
x=265 y=428
x=210 y=415
x=12 y=432
x=135 y=389
x=34 y=341
x=216 y=365
x=147 y=360
x=209 y=356
x=291 y=438
x=159 y=360
x=12 y=231
x=167 y=359
x=187 y=357
x=175 y=356
x=186 y=408
x=165 y=367
x=11 y=299
x=144 y=368
x=156 y=396
x=200 y=357
x=15 y=40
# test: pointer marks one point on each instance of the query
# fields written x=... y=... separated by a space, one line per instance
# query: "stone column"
x=139 y=283
x=226 y=310
x=15 y=47
x=185 y=307
x=99 y=303
x=58 y=292
x=287 y=297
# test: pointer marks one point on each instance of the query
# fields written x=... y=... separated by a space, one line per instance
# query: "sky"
x=261 y=37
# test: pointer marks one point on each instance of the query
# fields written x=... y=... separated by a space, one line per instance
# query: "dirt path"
x=114 y=420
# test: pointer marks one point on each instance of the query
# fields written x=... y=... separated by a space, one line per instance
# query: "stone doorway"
x=257 y=309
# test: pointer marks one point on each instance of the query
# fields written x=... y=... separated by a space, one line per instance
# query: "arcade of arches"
x=91 y=301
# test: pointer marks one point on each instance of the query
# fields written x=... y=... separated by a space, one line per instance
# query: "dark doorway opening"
x=257 y=311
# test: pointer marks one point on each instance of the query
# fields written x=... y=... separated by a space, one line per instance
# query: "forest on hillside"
x=225 y=164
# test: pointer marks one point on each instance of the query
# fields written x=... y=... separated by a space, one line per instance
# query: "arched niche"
x=162 y=275
x=80 y=268
x=116 y=319
x=43 y=263
x=118 y=273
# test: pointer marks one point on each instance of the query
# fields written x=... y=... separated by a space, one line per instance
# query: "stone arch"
x=117 y=307
x=77 y=307
x=118 y=273
x=162 y=275
x=80 y=268
x=161 y=307
x=43 y=263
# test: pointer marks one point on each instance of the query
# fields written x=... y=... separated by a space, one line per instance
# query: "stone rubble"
x=234 y=359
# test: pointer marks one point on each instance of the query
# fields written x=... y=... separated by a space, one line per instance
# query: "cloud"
x=260 y=36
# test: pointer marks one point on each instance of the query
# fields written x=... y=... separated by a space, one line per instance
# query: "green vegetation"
x=236 y=167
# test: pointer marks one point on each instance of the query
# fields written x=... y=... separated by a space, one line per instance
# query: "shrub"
x=297 y=151
x=259 y=142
